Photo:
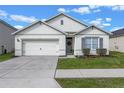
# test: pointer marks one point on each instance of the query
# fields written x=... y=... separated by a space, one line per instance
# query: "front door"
x=69 y=49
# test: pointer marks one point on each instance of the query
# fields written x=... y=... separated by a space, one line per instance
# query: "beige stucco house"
x=60 y=35
x=117 y=41
x=6 y=39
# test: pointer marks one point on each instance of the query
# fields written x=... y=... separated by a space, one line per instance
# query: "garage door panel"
x=41 y=47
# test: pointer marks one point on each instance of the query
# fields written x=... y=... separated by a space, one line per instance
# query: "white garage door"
x=40 y=47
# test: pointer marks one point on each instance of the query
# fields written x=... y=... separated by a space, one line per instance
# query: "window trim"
x=92 y=42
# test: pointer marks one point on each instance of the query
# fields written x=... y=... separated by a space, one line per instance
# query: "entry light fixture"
x=18 y=40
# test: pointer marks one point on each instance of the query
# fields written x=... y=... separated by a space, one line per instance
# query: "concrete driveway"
x=29 y=72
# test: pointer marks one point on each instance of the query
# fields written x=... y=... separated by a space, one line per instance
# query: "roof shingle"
x=119 y=32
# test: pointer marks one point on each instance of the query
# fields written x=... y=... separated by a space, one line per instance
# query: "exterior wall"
x=6 y=39
x=40 y=32
x=39 y=29
x=93 y=31
x=68 y=26
x=117 y=44
x=90 y=33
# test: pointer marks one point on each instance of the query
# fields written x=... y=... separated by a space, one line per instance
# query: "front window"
x=91 y=42
x=94 y=43
x=88 y=42
x=62 y=22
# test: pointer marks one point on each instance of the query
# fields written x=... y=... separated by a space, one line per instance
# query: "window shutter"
x=101 y=43
x=83 y=43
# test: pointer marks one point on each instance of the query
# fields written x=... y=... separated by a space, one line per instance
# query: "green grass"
x=92 y=83
x=115 y=60
x=6 y=57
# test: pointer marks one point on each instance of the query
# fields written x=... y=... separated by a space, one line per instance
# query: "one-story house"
x=6 y=39
x=117 y=40
x=60 y=35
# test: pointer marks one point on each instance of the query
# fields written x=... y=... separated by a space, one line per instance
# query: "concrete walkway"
x=89 y=73
x=29 y=72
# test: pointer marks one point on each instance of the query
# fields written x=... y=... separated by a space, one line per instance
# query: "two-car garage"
x=40 y=39
x=40 y=47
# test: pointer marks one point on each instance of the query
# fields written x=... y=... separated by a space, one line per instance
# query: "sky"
x=109 y=18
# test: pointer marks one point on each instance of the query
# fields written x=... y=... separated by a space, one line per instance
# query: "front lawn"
x=115 y=60
x=6 y=56
x=92 y=83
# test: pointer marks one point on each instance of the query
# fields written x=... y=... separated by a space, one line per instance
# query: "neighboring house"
x=6 y=39
x=60 y=35
x=117 y=40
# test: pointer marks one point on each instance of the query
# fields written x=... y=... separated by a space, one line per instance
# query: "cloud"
x=18 y=26
x=108 y=19
x=62 y=10
x=106 y=24
x=22 y=18
x=86 y=20
x=96 y=22
x=43 y=19
x=3 y=13
x=100 y=22
x=97 y=10
x=82 y=10
x=117 y=8
x=100 y=19
x=116 y=28
x=87 y=9
x=93 y=6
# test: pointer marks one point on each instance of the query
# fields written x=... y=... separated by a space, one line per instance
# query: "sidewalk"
x=89 y=73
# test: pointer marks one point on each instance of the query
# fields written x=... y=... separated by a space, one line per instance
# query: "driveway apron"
x=33 y=71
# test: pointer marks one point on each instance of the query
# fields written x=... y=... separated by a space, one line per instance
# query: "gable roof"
x=34 y=23
x=76 y=20
x=117 y=33
x=5 y=23
x=96 y=28
x=25 y=27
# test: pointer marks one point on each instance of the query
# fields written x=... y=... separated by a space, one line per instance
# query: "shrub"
x=86 y=51
x=101 y=51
